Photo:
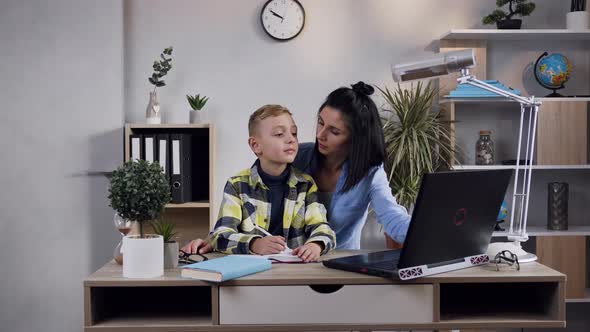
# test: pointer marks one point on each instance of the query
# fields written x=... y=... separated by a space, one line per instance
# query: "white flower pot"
x=144 y=258
x=199 y=117
x=577 y=20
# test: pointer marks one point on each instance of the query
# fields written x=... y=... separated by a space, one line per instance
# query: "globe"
x=552 y=71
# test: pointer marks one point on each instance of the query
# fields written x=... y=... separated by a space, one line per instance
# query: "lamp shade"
x=437 y=65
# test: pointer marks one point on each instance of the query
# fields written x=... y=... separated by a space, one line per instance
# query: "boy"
x=272 y=197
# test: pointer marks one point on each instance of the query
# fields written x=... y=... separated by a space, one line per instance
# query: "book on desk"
x=225 y=268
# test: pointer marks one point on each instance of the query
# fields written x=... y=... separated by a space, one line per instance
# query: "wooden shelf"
x=165 y=125
x=585 y=299
x=155 y=320
x=536 y=167
x=189 y=205
x=521 y=34
x=543 y=231
x=448 y=100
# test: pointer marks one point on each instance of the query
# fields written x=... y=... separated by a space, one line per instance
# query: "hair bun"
x=363 y=88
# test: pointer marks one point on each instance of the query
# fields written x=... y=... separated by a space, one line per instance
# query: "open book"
x=284 y=256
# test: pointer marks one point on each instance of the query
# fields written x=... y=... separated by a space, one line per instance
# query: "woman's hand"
x=268 y=245
x=309 y=252
x=203 y=247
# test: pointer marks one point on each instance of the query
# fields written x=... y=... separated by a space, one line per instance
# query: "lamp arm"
x=465 y=78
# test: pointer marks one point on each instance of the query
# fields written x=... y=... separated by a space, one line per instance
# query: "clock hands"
x=277 y=15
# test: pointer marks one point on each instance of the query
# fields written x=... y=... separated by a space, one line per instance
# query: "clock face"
x=282 y=19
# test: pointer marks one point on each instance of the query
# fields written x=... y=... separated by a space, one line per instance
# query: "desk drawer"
x=350 y=304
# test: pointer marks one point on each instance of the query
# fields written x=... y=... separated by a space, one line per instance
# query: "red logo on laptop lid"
x=460 y=216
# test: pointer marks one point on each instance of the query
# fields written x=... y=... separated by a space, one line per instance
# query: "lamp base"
x=514 y=247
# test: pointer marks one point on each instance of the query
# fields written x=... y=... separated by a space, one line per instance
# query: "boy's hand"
x=268 y=245
x=203 y=247
x=309 y=252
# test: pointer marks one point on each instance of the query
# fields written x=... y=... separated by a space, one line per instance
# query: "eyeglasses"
x=190 y=258
x=506 y=257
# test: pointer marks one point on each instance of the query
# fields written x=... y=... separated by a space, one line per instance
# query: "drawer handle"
x=326 y=289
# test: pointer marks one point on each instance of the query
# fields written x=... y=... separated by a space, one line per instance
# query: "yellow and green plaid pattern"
x=246 y=203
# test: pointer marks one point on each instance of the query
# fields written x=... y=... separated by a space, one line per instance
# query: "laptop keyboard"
x=386 y=260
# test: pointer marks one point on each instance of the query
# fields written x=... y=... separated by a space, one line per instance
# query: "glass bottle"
x=484 y=149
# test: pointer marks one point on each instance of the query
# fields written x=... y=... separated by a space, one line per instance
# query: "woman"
x=346 y=162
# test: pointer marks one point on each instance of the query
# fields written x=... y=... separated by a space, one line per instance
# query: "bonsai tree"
x=161 y=68
x=139 y=191
x=197 y=102
x=417 y=140
x=515 y=7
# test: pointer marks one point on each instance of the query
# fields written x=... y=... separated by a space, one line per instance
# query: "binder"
x=181 y=168
x=149 y=148
x=162 y=144
x=135 y=147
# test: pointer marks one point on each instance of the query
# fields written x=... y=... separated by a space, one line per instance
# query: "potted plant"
x=417 y=140
x=139 y=191
x=167 y=230
x=578 y=17
x=504 y=20
x=161 y=67
x=197 y=114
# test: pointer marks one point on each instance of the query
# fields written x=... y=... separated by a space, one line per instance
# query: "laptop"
x=451 y=227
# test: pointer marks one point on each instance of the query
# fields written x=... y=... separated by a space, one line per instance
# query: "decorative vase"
x=484 y=149
x=152 y=112
x=198 y=117
x=557 y=205
x=170 y=255
x=144 y=257
x=511 y=24
x=577 y=20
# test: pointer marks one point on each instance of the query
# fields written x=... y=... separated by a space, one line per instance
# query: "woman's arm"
x=394 y=217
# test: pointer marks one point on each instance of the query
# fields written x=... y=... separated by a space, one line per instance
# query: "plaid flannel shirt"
x=246 y=203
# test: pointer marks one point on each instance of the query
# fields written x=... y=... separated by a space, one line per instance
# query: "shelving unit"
x=562 y=148
x=192 y=219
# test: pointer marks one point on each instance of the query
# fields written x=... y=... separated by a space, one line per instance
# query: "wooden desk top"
x=111 y=274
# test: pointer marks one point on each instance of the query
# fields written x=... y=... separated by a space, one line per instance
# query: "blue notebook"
x=225 y=268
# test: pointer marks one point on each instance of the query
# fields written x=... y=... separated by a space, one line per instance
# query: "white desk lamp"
x=460 y=61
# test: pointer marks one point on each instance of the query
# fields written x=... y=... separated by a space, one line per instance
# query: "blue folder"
x=470 y=91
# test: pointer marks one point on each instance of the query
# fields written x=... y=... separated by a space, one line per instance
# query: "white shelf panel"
x=166 y=126
x=543 y=231
x=553 y=167
x=521 y=34
x=447 y=100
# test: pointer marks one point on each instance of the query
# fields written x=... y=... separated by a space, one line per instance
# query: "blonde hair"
x=263 y=113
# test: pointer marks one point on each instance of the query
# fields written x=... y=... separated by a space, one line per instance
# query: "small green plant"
x=165 y=228
x=197 y=102
x=515 y=7
x=139 y=191
x=161 y=68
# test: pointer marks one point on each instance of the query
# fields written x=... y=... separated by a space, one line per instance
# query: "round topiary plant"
x=139 y=191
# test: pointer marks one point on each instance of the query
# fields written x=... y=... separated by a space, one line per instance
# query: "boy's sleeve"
x=226 y=236
x=316 y=224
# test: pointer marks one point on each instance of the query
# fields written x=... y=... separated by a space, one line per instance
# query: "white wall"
x=220 y=50
x=66 y=93
x=62 y=94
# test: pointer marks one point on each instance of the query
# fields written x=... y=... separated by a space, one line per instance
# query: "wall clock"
x=282 y=19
